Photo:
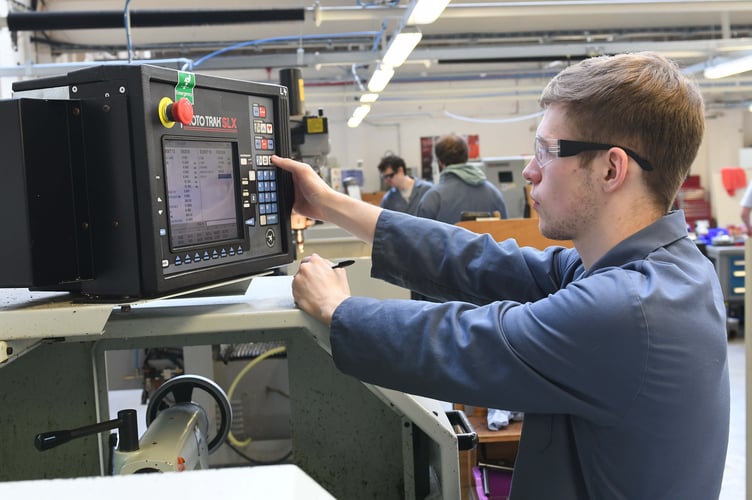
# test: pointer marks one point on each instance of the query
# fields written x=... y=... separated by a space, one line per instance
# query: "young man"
x=404 y=191
x=615 y=349
x=461 y=188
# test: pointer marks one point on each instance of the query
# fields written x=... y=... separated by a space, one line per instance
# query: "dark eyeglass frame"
x=564 y=148
x=388 y=176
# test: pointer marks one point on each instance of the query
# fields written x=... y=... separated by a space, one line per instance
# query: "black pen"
x=343 y=263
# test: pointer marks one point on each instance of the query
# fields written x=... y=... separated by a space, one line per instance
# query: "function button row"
x=189 y=257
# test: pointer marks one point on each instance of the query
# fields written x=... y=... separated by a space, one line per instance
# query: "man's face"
x=563 y=192
x=391 y=176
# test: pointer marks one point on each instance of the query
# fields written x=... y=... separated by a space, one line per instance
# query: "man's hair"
x=451 y=150
x=393 y=161
x=640 y=101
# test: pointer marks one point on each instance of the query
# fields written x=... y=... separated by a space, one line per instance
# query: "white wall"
x=398 y=129
x=723 y=139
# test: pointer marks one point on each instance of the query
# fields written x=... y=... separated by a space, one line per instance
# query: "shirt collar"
x=661 y=233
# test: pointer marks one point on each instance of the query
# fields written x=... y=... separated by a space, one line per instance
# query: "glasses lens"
x=388 y=176
x=543 y=153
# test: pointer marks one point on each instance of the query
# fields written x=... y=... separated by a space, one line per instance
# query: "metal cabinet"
x=729 y=264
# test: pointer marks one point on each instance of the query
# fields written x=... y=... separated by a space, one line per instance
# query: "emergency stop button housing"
x=180 y=111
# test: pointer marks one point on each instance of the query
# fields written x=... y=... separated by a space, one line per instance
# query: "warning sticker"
x=184 y=88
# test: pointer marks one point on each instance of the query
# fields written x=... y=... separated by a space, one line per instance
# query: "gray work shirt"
x=393 y=199
x=621 y=370
x=456 y=193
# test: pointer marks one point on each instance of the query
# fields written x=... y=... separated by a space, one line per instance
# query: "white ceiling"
x=474 y=47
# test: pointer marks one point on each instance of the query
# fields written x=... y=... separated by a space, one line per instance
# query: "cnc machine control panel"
x=167 y=182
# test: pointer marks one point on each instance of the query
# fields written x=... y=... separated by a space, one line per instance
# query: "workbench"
x=355 y=440
x=280 y=482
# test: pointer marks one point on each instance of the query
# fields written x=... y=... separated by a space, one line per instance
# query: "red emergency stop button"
x=170 y=112
x=181 y=111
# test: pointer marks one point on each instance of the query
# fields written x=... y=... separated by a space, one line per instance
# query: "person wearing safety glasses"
x=615 y=349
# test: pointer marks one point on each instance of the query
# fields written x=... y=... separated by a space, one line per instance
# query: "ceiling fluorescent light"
x=425 y=11
x=369 y=98
x=400 y=47
x=728 y=68
x=358 y=115
x=380 y=78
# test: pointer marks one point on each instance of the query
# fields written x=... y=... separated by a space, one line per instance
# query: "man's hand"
x=318 y=289
x=309 y=187
x=316 y=200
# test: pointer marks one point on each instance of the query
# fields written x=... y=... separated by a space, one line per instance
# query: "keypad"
x=267 y=196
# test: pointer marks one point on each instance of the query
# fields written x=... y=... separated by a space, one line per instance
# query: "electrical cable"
x=493 y=120
x=377 y=40
x=271 y=352
x=127 y=22
x=190 y=66
x=112 y=442
x=254 y=461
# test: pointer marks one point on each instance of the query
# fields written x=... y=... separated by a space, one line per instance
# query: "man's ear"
x=617 y=168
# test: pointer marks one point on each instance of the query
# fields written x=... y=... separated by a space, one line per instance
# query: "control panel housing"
x=134 y=181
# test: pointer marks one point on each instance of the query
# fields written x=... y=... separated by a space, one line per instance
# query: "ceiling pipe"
x=485 y=54
x=320 y=14
x=82 y=20
x=555 y=7
x=517 y=53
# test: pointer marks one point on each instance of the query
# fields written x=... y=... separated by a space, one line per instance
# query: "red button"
x=181 y=111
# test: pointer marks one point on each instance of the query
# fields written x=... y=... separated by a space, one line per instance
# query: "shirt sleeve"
x=560 y=354
x=428 y=206
x=451 y=263
x=386 y=200
x=503 y=205
x=747 y=199
x=520 y=332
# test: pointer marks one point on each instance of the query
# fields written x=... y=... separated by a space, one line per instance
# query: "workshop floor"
x=734 y=478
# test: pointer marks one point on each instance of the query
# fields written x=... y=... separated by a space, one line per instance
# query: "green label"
x=184 y=88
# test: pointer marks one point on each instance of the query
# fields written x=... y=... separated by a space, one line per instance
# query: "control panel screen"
x=201 y=190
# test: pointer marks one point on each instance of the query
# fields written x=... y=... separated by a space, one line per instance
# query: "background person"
x=746 y=205
x=615 y=349
x=404 y=191
x=461 y=188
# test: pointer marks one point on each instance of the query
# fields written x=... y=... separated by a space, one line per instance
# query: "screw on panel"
x=74 y=89
x=122 y=90
x=106 y=108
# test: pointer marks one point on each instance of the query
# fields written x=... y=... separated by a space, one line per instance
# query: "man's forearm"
x=354 y=216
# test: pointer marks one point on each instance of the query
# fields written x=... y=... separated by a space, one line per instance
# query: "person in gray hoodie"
x=461 y=188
